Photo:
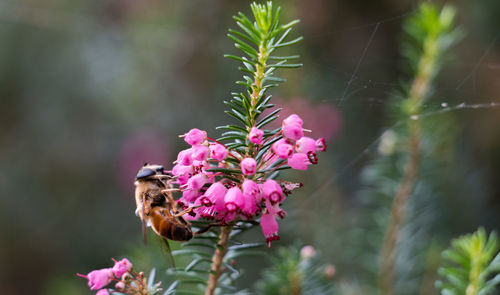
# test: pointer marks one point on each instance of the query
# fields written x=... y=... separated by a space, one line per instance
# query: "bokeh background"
x=90 y=90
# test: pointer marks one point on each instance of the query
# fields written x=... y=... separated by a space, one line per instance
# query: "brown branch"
x=217 y=260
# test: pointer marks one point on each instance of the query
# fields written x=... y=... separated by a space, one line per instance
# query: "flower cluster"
x=126 y=280
x=228 y=185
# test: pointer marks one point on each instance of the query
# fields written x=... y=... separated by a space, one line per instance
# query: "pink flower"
x=269 y=227
x=282 y=149
x=233 y=199
x=189 y=196
x=272 y=191
x=102 y=292
x=119 y=286
x=183 y=173
x=200 y=152
x=214 y=198
x=185 y=157
x=197 y=181
x=218 y=151
x=293 y=119
x=255 y=135
x=321 y=144
x=299 y=161
x=121 y=267
x=250 y=188
x=195 y=136
x=249 y=205
x=305 y=145
x=292 y=131
x=99 y=278
x=248 y=166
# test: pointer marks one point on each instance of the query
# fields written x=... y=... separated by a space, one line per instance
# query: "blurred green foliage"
x=91 y=90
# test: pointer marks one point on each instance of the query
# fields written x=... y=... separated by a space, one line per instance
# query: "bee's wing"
x=166 y=248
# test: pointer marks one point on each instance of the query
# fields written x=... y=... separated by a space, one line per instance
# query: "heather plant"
x=228 y=185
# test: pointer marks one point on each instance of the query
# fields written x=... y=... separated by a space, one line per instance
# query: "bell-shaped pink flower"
x=121 y=267
x=183 y=173
x=200 y=152
x=282 y=149
x=185 y=157
x=196 y=181
x=189 y=196
x=218 y=151
x=321 y=144
x=99 y=278
x=248 y=166
x=293 y=119
x=269 y=228
x=292 y=131
x=195 y=136
x=255 y=135
x=250 y=188
x=272 y=191
x=305 y=145
x=213 y=200
x=299 y=161
x=102 y=292
x=249 y=205
x=233 y=199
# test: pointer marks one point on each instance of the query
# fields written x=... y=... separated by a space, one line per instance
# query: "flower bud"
x=307 y=252
x=99 y=278
x=255 y=135
x=185 y=157
x=200 y=152
x=197 y=181
x=293 y=119
x=293 y=131
x=121 y=267
x=195 y=136
x=248 y=166
x=218 y=152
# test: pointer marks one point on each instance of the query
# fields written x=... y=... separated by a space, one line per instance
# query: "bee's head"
x=149 y=170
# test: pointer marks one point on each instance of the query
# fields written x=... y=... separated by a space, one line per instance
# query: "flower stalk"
x=218 y=260
x=437 y=36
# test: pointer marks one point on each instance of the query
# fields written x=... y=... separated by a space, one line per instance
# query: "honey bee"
x=157 y=208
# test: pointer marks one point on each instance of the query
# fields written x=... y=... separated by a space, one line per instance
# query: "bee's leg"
x=183 y=212
x=206 y=228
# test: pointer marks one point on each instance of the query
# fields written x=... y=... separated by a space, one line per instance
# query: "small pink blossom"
x=119 y=286
x=250 y=188
x=293 y=119
x=195 y=136
x=102 y=292
x=272 y=191
x=233 y=199
x=218 y=151
x=248 y=166
x=214 y=198
x=200 y=152
x=197 y=181
x=249 y=205
x=99 y=278
x=269 y=227
x=185 y=157
x=321 y=144
x=255 y=135
x=299 y=161
x=282 y=149
x=189 y=196
x=293 y=131
x=121 y=267
x=305 y=145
